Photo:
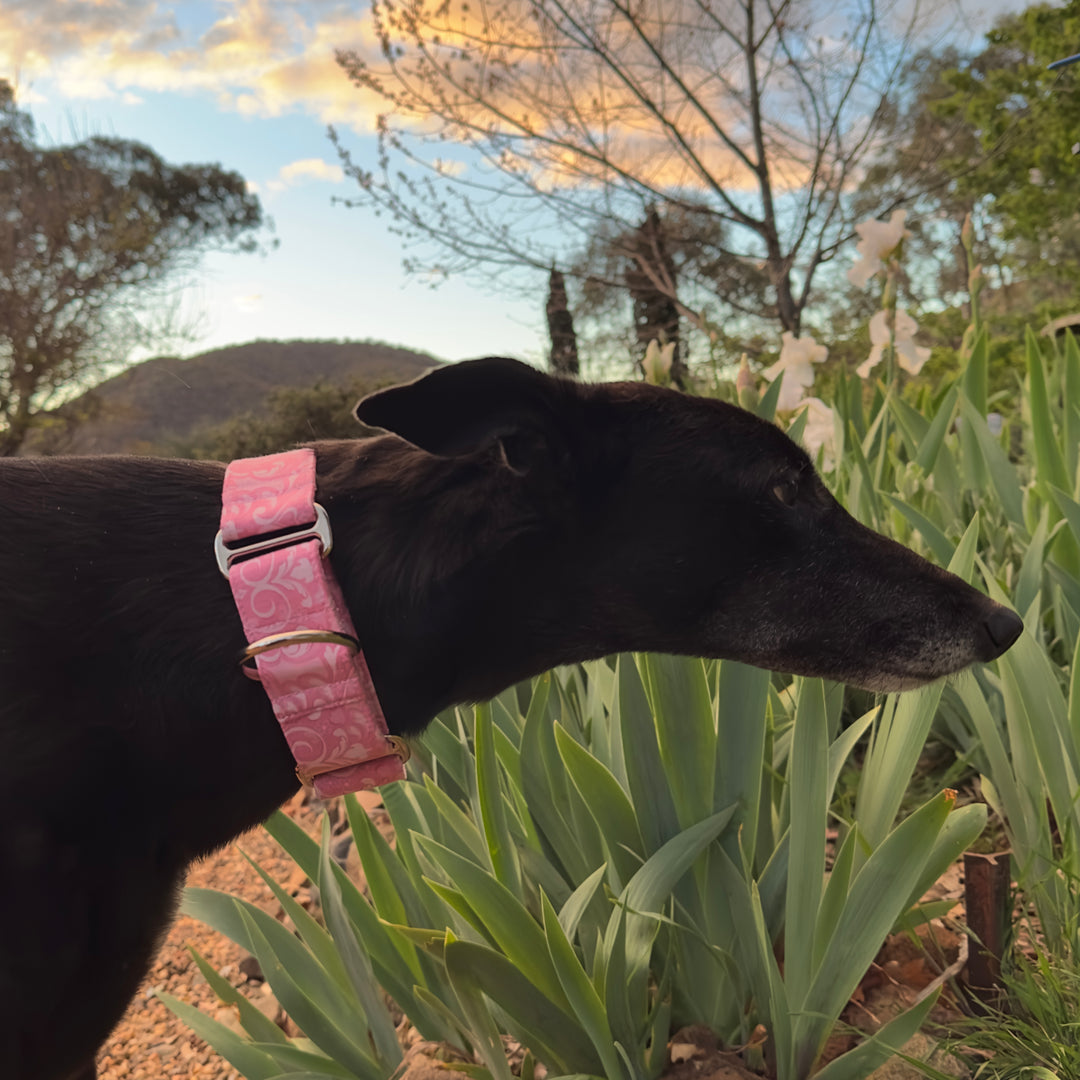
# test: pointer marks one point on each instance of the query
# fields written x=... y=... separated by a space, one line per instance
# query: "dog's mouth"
x=914 y=677
x=893 y=677
x=888 y=683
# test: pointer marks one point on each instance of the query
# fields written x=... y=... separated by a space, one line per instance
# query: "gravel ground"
x=149 y=1042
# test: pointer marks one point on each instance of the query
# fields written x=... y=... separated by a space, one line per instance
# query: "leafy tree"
x=521 y=132
x=91 y=235
x=292 y=416
x=1027 y=121
x=996 y=135
x=652 y=281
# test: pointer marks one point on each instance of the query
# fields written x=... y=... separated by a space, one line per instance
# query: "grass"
x=1036 y=1034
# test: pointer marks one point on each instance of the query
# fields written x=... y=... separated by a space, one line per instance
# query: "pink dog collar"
x=301 y=636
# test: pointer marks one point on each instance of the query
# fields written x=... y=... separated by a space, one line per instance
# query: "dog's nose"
x=1003 y=627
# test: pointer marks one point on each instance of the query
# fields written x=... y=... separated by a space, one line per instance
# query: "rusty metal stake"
x=987 y=896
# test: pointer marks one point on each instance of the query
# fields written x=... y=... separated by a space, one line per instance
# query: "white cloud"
x=298 y=172
x=259 y=57
x=313 y=169
x=249 y=304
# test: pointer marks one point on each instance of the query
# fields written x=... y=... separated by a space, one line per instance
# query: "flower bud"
x=746 y=386
x=967 y=234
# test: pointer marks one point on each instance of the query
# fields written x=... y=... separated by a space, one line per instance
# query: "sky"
x=252 y=84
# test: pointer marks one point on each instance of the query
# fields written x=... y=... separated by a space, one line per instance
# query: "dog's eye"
x=787 y=491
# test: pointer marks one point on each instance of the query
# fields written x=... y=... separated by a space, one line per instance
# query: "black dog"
x=602 y=518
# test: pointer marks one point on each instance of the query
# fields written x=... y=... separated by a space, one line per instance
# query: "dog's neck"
x=438 y=624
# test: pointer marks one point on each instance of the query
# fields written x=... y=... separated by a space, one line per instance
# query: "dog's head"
x=665 y=522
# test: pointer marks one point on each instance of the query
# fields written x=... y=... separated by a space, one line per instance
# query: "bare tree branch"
x=748 y=122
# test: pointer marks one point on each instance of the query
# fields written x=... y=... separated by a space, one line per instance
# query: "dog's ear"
x=465 y=407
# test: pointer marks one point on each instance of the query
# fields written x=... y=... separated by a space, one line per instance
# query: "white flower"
x=657 y=362
x=744 y=380
x=820 y=430
x=909 y=356
x=877 y=240
x=796 y=356
x=1035 y=177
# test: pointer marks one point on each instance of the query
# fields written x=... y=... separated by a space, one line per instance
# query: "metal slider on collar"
x=319 y=530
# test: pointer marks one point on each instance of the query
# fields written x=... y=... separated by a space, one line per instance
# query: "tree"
x=687 y=268
x=992 y=134
x=292 y=415
x=91 y=235
x=653 y=284
x=565 y=120
x=563 y=358
x=1024 y=117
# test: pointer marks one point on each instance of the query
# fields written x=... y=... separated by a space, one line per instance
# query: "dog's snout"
x=1003 y=627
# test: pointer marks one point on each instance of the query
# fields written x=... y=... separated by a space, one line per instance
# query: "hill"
x=158 y=406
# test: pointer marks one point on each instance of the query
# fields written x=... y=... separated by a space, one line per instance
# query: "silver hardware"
x=226 y=556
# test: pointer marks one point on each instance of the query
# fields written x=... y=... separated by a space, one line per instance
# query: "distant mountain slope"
x=162 y=402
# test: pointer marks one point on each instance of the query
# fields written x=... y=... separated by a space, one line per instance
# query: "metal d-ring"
x=298 y=637
x=399 y=747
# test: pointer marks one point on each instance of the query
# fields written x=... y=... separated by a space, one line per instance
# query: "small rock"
x=923 y=1048
x=266 y=1003
x=227 y=1016
x=681 y=1052
x=296 y=879
x=340 y=848
x=431 y=1061
x=250 y=969
x=369 y=800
